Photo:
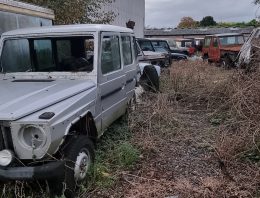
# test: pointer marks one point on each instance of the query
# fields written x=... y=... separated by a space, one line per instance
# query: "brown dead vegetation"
x=199 y=136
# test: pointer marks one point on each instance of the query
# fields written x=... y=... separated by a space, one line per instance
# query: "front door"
x=112 y=79
x=214 y=52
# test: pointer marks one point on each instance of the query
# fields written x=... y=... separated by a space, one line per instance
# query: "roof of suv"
x=226 y=34
x=68 y=29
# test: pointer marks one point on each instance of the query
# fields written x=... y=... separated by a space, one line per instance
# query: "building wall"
x=133 y=10
x=12 y=21
x=15 y=15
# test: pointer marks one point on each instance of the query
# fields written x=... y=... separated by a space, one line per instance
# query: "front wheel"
x=78 y=156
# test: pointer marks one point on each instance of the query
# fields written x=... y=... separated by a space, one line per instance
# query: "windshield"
x=68 y=54
x=172 y=43
x=160 y=49
x=146 y=45
x=162 y=44
x=232 y=40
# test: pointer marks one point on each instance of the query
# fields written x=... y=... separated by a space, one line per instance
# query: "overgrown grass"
x=115 y=153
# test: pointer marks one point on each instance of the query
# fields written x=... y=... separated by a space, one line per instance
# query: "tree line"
x=80 y=11
x=208 y=21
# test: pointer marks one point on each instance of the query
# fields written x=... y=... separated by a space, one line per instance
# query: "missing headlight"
x=33 y=136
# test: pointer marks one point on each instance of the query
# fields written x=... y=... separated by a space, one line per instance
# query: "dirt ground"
x=177 y=136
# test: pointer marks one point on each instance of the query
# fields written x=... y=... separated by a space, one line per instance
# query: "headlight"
x=6 y=158
x=32 y=136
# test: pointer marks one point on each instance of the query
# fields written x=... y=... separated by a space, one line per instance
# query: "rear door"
x=112 y=79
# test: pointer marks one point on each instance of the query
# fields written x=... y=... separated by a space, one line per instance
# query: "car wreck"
x=156 y=56
x=161 y=43
x=61 y=87
x=250 y=52
x=222 y=48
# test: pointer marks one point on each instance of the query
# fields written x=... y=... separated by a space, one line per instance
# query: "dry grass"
x=206 y=115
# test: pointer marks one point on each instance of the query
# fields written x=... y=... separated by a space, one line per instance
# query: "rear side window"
x=111 y=59
x=127 y=50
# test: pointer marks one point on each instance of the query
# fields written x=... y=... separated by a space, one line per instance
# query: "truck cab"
x=222 y=48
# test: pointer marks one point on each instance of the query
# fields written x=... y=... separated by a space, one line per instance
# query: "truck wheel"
x=78 y=156
x=226 y=62
x=150 y=79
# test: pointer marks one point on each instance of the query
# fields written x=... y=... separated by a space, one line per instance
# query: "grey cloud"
x=167 y=13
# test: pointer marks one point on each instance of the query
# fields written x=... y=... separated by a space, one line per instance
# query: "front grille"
x=6 y=138
x=2 y=143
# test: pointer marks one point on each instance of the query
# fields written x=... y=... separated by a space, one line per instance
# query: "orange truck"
x=222 y=48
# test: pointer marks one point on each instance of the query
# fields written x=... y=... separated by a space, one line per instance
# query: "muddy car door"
x=112 y=79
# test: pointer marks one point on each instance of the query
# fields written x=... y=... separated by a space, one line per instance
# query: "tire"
x=226 y=62
x=150 y=79
x=80 y=151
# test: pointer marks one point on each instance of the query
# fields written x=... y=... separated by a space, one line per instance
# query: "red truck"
x=222 y=48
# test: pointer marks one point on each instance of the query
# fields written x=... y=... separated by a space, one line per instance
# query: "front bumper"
x=44 y=172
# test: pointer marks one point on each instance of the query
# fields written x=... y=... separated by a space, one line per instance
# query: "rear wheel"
x=78 y=157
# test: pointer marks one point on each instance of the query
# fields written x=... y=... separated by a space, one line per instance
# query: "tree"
x=77 y=11
x=188 y=22
x=208 y=21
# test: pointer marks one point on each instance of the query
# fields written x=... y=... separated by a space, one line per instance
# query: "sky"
x=168 y=13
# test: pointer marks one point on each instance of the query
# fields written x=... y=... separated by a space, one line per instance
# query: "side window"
x=110 y=57
x=215 y=42
x=136 y=49
x=44 y=55
x=127 y=50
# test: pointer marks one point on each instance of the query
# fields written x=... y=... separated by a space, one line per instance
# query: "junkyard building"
x=195 y=33
x=15 y=15
x=128 y=11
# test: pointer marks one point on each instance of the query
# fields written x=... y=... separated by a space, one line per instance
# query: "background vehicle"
x=160 y=43
x=249 y=53
x=58 y=96
x=187 y=45
x=223 y=48
x=157 y=56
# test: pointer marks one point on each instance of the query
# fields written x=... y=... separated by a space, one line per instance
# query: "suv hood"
x=19 y=98
x=232 y=48
x=151 y=54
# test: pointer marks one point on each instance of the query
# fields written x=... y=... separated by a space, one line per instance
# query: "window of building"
x=127 y=50
x=110 y=58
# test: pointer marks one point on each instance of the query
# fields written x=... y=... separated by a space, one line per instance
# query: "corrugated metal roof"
x=196 y=31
